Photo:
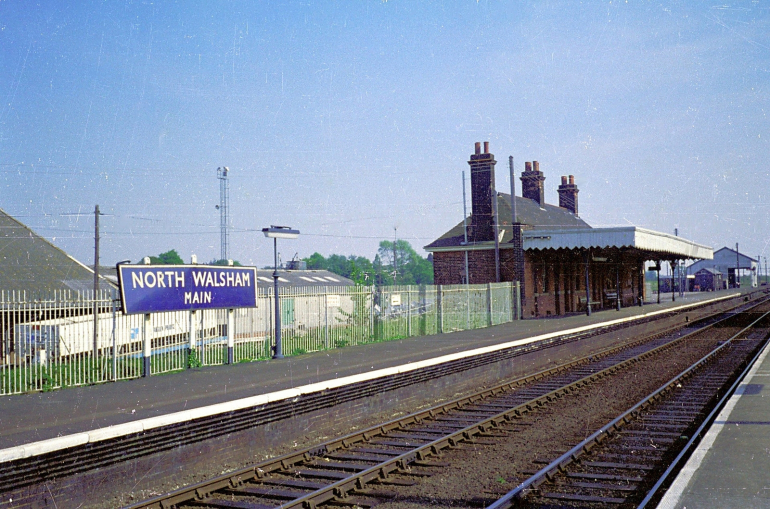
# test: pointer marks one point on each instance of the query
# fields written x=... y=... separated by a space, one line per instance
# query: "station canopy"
x=650 y=244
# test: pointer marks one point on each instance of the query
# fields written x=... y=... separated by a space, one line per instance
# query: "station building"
x=562 y=263
x=729 y=262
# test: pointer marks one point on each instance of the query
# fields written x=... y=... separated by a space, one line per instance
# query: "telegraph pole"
x=465 y=234
x=395 y=265
x=96 y=281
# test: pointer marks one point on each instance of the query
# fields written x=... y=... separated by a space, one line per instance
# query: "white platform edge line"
x=675 y=492
x=54 y=444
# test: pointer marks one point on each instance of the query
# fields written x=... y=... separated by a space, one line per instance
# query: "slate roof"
x=710 y=271
x=545 y=217
x=301 y=278
x=30 y=263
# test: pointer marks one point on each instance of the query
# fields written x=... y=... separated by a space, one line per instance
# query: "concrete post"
x=409 y=311
x=439 y=309
x=147 y=350
x=193 y=333
x=326 y=319
x=230 y=335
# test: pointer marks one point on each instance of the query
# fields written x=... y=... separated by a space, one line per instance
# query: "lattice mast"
x=224 y=207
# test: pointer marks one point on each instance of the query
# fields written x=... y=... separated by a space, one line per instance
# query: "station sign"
x=155 y=288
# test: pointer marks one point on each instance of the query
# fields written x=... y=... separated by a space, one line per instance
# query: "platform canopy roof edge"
x=655 y=244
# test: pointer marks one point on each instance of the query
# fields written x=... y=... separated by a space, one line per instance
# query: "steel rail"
x=608 y=430
x=698 y=434
x=399 y=463
x=356 y=481
x=201 y=491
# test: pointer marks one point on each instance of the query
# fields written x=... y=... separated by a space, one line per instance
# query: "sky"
x=353 y=121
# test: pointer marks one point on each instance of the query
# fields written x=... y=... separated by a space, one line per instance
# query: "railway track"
x=369 y=467
x=627 y=462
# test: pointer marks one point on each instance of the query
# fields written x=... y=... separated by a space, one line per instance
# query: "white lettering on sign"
x=395 y=299
x=159 y=278
x=219 y=279
x=333 y=301
x=197 y=297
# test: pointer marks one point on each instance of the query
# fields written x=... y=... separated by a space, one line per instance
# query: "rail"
x=359 y=448
x=586 y=446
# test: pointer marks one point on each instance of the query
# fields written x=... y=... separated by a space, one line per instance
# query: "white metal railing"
x=48 y=342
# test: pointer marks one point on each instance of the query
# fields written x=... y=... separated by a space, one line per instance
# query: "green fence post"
x=489 y=304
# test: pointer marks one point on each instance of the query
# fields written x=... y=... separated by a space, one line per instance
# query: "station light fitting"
x=280 y=232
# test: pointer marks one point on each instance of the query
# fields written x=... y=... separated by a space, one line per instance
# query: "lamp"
x=275 y=233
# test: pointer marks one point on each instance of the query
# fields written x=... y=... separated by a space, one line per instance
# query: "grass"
x=84 y=371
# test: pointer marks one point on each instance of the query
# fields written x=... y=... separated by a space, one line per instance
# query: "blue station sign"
x=154 y=288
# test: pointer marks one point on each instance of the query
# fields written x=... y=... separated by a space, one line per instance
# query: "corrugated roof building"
x=30 y=263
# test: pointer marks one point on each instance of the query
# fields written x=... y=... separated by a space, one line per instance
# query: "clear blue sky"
x=347 y=119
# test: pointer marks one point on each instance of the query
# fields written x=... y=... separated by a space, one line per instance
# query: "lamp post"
x=275 y=233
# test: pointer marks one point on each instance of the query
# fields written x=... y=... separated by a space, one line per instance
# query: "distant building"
x=301 y=278
x=708 y=280
x=30 y=263
x=564 y=265
x=728 y=261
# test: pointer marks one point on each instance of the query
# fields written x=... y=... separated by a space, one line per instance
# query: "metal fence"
x=48 y=342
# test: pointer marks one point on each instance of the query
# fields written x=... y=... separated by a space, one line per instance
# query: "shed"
x=708 y=280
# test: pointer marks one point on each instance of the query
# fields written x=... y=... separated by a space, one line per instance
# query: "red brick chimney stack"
x=532 y=183
x=482 y=193
x=568 y=192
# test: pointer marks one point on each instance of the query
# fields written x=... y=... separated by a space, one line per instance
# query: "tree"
x=236 y=263
x=357 y=268
x=316 y=261
x=167 y=258
x=403 y=263
x=412 y=268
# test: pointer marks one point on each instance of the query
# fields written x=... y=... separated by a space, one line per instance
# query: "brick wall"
x=554 y=283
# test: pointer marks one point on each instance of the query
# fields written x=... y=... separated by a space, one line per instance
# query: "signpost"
x=156 y=288
x=146 y=289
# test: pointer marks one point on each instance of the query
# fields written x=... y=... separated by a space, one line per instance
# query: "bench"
x=582 y=301
x=611 y=297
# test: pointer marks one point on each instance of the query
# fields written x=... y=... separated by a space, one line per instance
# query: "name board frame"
x=158 y=288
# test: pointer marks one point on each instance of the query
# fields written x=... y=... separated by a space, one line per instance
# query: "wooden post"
x=588 y=283
x=617 y=284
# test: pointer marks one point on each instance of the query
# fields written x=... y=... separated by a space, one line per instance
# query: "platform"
x=32 y=424
x=731 y=466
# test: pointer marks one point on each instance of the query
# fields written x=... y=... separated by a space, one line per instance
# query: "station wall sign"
x=155 y=288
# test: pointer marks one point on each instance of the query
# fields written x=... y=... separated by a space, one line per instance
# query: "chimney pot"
x=535 y=166
x=486 y=147
x=528 y=166
x=478 y=147
x=568 y=194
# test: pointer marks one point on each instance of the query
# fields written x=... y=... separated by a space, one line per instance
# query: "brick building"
x=553 y=253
